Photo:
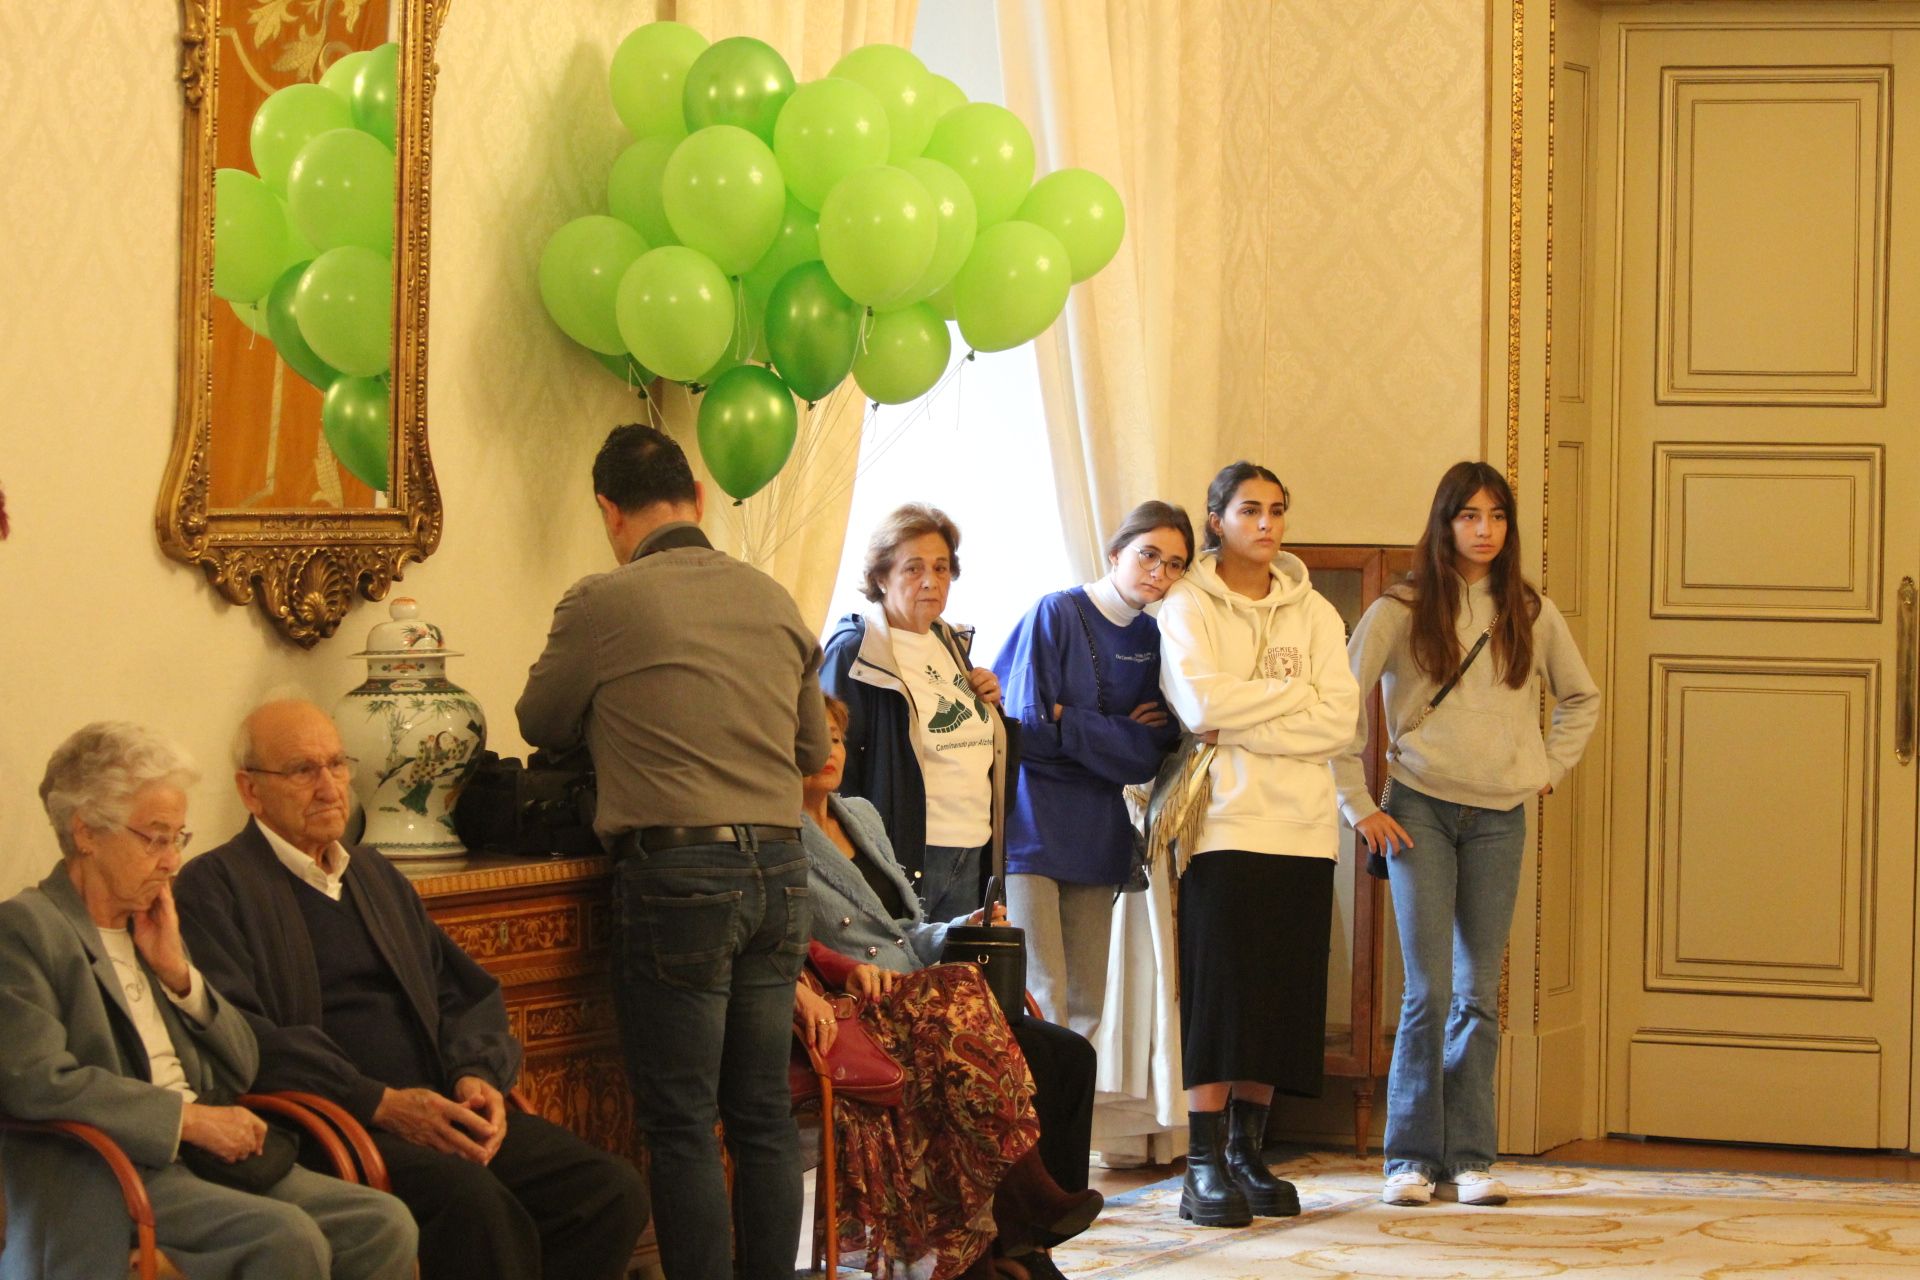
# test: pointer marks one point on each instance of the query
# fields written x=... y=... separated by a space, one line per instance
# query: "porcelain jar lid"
x=406 y=634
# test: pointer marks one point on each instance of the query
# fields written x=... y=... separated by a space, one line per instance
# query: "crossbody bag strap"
x=1439 y=696
x=1093 y=652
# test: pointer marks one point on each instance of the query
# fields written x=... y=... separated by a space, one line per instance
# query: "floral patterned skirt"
x=917 y=1181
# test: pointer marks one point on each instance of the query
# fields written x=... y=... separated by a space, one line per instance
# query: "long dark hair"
x=1432 y=591
x=1225 y=485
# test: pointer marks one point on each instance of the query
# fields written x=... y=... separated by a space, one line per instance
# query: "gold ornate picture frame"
x=302 y=564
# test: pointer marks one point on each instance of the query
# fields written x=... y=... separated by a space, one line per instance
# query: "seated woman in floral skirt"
x=927 y=1187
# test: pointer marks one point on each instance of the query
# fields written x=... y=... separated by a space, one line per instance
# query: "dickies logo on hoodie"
x=1282 y=662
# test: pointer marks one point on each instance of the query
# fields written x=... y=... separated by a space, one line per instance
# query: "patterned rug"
x=1587 y=1222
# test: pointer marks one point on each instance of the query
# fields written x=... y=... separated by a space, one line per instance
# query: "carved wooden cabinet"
x=1363 y=971
x=543 y=927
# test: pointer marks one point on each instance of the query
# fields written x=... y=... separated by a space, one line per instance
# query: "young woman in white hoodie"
x=1454 y=828
x=1254 y=661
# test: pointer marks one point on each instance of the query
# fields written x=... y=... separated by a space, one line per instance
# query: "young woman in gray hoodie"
x=1455 y=822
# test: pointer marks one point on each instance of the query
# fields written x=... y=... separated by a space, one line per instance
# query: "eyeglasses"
x=1150 y=559
x=158 y=844
x=307 y=774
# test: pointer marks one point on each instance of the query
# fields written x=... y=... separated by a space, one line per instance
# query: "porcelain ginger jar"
x=414 y=734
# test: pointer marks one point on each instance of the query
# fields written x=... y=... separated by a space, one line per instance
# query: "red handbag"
x=859 y=1068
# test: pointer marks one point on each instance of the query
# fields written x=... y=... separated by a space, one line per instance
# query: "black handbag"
x=999 y=951
x=540 y=809
x=254 y=1174
x=1377 y=862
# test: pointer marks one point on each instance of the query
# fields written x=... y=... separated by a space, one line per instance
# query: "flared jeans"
x=1453 y=896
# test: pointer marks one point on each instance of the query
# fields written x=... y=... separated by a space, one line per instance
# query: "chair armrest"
x=373 y=1168
x=1033 y=1007
x=133 y=1190
x=518 y=1101
x=310 y=1121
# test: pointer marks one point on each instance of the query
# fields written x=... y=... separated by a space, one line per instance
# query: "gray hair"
x=95 y=774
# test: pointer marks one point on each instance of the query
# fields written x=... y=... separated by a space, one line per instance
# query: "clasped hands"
x=471 y=1124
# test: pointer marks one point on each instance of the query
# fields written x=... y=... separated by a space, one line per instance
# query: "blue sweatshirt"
x=1068 y=820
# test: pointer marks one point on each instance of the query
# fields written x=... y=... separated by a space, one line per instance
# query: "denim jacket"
x=847 y=915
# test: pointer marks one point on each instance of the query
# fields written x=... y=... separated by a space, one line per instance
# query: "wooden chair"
x=826 y=1192
x=146 y=1260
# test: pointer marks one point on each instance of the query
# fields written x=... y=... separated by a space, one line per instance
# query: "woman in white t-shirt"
x=926 y=744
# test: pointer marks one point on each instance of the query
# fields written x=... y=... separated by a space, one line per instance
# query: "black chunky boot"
x=1209 y=1197
x=1267 y=1196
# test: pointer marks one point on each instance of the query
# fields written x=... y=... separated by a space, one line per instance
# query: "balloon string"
x=866 y=327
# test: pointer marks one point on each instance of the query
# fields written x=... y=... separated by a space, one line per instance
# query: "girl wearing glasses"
x=1082 y=673
x=1255 y=664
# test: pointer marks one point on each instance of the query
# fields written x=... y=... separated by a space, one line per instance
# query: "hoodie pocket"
x=1478 y=747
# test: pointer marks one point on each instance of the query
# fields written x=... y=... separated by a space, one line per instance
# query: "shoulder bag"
x=1377 y=862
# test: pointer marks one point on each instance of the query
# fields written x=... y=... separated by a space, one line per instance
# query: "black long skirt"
x=1254 y=934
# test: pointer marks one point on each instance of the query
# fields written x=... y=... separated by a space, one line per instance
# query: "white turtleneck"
x=1112 y=605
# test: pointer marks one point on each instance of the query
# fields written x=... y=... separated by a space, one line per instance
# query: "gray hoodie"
x=1271 y=675
x=1481 y=746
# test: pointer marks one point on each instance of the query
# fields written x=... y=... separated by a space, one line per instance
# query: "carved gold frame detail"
x=303 y=565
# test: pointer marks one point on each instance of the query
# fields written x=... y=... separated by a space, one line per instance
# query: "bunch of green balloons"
x=820 y=230
x=302 y=247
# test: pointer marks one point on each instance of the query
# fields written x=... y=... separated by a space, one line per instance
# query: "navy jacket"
x=882 y=768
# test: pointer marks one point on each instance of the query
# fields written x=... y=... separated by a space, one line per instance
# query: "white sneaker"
x=1476 y=1186
x=1407 y=1187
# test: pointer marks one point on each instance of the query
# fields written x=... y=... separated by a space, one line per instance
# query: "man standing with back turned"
x=696 y=687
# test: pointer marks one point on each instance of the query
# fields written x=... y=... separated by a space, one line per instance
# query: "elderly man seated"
x=357 y=996
x=104 y=1019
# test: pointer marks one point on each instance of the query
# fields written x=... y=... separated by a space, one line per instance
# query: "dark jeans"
x=548 y=1205
x=1063 y=1065
x=709 y=944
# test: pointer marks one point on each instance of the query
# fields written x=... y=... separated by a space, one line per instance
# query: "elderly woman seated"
x=106 y=1021
x=995 y=1120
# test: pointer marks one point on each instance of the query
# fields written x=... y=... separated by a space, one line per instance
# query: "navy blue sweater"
x=1068 y=820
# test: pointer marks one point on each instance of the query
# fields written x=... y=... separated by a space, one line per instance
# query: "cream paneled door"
x=1767 y=394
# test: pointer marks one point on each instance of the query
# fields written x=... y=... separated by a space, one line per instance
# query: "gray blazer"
x=847 y=914
x=72 y=1053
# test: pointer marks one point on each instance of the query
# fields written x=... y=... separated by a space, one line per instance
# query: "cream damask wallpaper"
x=1355 y=217
x=1370 y=242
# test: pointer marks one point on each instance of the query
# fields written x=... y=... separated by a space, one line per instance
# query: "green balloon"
x=827 y=130
x=1083 y=210
x=724 y=196
x=344 y=307
x=376 y=94
x=287 y=121
x=627 y=369
x=649 y=75
x=738 y=81
x=284 y=329
x=748 y=343
x=988 y=147
x=1012 y=287
x=878 y=231
x=813 y=330
x=907 y=351
x=633 y=189
x=943 y=95
x=900 y=83
x=955 y=217
x=746 y=429
x=340 y=191
x=580 y=272
x=252 y=244
x=357 y=417
x=676 y=312
x=251 y=314
x=798 y=241
x=339 y=76
x=941 y=300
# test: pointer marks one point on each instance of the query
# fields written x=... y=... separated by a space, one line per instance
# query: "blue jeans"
x=709 y=941
x=1453 y=896
x=950 y=881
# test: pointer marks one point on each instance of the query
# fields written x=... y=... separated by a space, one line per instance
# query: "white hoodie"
x=1280 y=724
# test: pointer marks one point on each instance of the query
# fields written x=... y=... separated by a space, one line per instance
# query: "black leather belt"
x=654 y=839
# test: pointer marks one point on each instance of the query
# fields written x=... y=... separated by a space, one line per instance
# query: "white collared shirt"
x=325 y=874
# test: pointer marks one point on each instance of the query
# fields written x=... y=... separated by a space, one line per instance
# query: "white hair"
x=95 y=774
